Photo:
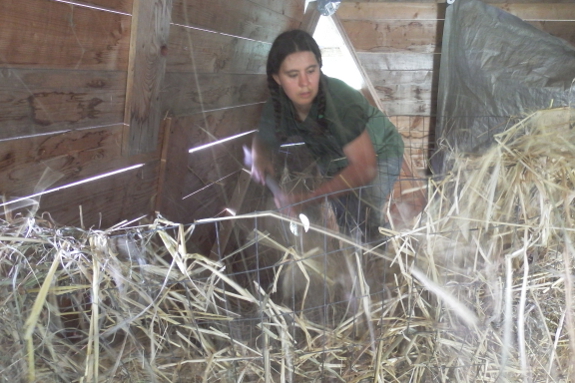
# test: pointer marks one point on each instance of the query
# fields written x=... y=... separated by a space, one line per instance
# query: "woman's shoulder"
x=343 y=95
x=336 y=84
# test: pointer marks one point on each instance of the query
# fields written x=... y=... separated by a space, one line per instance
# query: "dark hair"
x=285 y=44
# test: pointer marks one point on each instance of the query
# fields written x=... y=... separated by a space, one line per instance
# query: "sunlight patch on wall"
x=337 y=60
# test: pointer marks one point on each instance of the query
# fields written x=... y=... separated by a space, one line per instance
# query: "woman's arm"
x=360 y=171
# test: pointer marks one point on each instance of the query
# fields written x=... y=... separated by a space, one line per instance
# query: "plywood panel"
x=75 y=155
x=188 y=93
x=405 y=93
x=291 y=8
x=374 y=62
x=412 y=77
x=50 y=35
x=406 y=108
x=541 y=11
x=107 y=201
x=243 y=18
x=42 y=101
x=370 y=11
x=392 y=36
x=192 y=50
x=124 y=6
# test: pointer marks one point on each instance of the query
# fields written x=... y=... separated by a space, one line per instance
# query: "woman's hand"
x=361 y=169
x=260 y=161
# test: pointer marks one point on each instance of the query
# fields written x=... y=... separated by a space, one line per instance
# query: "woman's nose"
x=304 y=80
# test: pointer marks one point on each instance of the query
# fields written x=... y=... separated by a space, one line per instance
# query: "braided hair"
x=286 y=43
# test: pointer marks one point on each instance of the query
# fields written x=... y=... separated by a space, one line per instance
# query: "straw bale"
x=479 y=291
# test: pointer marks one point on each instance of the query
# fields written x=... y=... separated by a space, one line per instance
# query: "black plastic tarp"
x=495 y=68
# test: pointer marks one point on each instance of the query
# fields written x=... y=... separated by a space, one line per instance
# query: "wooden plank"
x=406 y=93
x=310 y=20
x=149 y=41
x=395 y=36
x=411 y=77
x=192 y=50
x=187 y=93
x=291 y=8
x=374 y=62
x=367 y=87
x=51 y=35
x=407 y=107
x=124 y=6
x=107 y=201
x=372 y=11
x=541 y=11
x=34 y=101
x=76 y=155
x=242 y=18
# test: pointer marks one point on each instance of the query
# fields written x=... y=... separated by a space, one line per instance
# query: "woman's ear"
x=277 y=78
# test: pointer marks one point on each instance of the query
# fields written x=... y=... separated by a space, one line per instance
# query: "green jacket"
x=348 y=113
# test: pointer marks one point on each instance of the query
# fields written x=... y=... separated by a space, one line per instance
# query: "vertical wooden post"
x=310 y=19
x=146 y=68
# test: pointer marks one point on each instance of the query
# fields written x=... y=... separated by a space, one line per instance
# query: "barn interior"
x=135 y=247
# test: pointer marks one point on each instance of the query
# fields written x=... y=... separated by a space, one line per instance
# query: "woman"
x=354 y=143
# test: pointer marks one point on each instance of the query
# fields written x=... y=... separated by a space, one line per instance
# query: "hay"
x=481 y=289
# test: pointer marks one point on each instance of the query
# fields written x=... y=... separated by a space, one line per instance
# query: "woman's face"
x=299 y=77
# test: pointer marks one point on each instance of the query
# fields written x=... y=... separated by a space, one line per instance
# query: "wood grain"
x=407 y=108
x=75 y=155
x=107 y=201
x=115 y=5
x=291 y=8
x=395 y=36
x=412 y=77
x=149 y=39
x=186 y=93
x=34 y=101
x=242 y=18
x=50 y=35
x=370 y=11
x=541 y=11
x=405 y=93
x=374 y=62
x=192 y=50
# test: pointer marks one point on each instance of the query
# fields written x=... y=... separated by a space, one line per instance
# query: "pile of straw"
x=481 y=290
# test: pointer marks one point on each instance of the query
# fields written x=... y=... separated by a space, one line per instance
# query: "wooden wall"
x=84 y=87
x=398 y=44
x=63 y=78
x=215 y=86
